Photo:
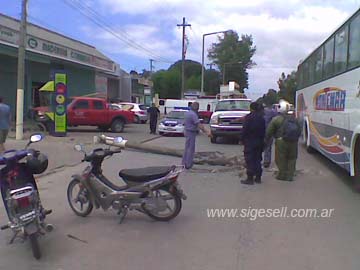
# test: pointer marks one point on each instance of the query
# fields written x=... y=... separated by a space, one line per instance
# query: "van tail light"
x=141 y=112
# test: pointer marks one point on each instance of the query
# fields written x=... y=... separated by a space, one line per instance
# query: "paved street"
x=193 y=240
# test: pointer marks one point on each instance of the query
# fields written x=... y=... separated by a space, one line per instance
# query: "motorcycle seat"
x=145 y=174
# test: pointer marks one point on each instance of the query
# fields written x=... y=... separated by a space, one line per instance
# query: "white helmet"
x=283 y=106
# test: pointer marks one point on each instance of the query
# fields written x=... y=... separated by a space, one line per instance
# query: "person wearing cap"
x=252 y=137
x=286 y=130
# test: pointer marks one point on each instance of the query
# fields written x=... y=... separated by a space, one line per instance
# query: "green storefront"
x=45 y=54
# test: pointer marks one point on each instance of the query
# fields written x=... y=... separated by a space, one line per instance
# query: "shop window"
x=354 y=42
x=341 y=42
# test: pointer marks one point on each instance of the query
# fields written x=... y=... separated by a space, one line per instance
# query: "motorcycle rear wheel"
x=173 y=213
x=82 y=197
x=33 y=238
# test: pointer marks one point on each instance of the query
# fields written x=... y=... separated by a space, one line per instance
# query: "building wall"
x=38 y=71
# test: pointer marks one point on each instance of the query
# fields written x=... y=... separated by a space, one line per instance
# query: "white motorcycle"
x=153 y=191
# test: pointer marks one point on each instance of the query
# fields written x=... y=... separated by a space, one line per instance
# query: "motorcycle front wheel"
x=33 y=238
x=78 y=198
x=173 y=205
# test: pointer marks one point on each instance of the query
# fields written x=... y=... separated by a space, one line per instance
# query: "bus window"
x=354 y=42
x=328 y=58
x=318 y=60
x=341 y=41
x=161 y=102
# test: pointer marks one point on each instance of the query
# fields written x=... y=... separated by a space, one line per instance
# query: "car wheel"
x=144 y=121
x=118 y=126
x=137 y=120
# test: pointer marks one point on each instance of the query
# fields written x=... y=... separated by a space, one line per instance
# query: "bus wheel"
x=356 y=178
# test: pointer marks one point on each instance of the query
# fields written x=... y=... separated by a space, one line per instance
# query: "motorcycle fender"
x=31 y=228
x=83 y=181
x=176 y=189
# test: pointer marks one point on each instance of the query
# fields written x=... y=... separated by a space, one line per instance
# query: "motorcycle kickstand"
x=122 y=214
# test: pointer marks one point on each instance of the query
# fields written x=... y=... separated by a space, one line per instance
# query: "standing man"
x=269 y=114
x=192 y=126
x=253 y=140
x=286 y=130
x=4 y=123
x=154 y=115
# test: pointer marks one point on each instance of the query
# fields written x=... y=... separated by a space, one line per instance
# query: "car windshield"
x=176 y=115
x=233 y=105
x=127 y=107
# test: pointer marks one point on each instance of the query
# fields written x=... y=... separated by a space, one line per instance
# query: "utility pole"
x=151 y=65
x=184 y=24
x=20 y=74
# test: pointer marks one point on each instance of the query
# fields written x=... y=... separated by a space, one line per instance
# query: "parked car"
x=140 y=110
x=173 y=123
x=85 y=111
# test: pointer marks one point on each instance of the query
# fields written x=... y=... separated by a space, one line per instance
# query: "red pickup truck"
x=84 y=111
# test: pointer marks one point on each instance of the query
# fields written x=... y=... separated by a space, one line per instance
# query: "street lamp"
x=228 y=63
x=202 y=57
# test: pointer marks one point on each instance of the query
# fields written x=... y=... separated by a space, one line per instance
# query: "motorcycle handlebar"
x=106 y=153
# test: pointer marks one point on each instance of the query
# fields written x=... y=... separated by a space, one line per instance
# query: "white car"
x=173 y=123
x=140 y=110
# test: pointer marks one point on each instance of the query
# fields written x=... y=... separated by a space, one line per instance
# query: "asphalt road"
x=195 y=241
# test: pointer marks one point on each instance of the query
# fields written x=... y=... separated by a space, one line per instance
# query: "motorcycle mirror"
x=36 y=138
x=118 y=139
x=79 y=147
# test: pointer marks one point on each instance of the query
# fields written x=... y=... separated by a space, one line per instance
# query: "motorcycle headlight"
x=214 y=120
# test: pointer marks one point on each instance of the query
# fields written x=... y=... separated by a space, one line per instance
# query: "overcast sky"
x=284 y=31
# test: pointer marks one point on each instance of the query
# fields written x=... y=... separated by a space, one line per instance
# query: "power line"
x=94 y=17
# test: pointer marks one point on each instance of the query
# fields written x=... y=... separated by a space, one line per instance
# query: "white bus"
x=328 y=97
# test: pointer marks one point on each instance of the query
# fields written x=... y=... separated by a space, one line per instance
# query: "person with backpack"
x=286 y=130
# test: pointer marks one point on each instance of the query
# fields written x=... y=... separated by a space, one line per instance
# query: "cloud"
x=284 y=32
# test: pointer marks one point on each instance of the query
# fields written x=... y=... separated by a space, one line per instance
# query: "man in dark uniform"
x=253 y=140
x=154 y=114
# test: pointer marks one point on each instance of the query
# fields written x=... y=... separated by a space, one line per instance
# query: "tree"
x=287 y=85
x=212 y=81
x=167 y=83
x=233 y=56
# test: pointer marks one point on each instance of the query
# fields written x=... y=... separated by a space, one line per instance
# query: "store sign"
x=60 y=104
x=47 y=47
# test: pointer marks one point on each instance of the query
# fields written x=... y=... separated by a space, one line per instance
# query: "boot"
x=248 y=181
x=258 y=179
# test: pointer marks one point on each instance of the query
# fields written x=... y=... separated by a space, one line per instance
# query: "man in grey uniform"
x=4 y=123
x=192 y=125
